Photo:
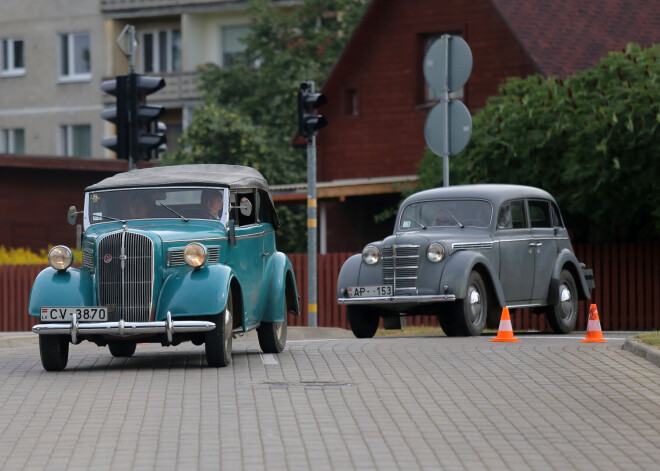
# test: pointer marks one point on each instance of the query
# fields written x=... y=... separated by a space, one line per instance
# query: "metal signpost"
x=447 y=66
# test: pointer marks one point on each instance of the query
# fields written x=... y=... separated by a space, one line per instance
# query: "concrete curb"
x=22 y=339
x=643 y=350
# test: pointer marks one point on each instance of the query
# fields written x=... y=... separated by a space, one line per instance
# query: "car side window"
x=512 y=215
x=556 y=216
x=266 y=212
x=539 y=213
x=239 y=218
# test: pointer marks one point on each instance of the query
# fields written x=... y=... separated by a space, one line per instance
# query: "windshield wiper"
x=457 y=221
x=107 y=217
x=418 y=223
x=167 y=207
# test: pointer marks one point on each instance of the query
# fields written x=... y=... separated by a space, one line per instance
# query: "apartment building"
x=52 y=58
x=54 y=54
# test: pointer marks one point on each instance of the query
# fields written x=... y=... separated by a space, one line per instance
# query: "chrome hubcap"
x=228 y=325
x=278 y=330
x=566 y=298
x=475 y=305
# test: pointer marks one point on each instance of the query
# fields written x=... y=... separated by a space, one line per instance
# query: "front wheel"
x=217 y=342
x=122 y=349
x=562 y=316
x=272 y=336
x=363 y=321
x=54 y=350
x=471 y=311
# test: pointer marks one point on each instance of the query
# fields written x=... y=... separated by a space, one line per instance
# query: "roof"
x=495 y=192
x=562 y=37
x=231 y=176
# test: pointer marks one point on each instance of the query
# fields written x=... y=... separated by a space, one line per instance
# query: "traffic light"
x=309 y=121
x=148 y=135
x=118 y=115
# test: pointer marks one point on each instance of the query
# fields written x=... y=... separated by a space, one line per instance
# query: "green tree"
x=250 y=112
x=591 y=140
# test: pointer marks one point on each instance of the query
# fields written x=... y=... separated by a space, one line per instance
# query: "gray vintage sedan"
x=463 y=253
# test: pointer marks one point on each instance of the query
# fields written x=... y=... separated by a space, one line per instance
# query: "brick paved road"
x=391 y=403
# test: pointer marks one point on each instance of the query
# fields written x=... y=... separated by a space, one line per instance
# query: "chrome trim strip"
x=471 y=245
x=516 y=306
x=193 y=240
x=124 y=329
x=398 y=299
x=251 y=236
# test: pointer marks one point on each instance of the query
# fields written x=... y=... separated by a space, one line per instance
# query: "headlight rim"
x=439 y=255
x=377 y=254
x=69 y=253
x=186 y=255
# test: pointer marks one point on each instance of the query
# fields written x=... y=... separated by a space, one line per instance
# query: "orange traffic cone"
x=594 y=334
x=505 y=332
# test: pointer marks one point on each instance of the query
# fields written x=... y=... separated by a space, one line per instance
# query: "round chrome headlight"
x=435 y=252
x=60 y=257
x=370 y=255
x=195 y=255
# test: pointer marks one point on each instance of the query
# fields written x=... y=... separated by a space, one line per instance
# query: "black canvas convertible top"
x=232 y=176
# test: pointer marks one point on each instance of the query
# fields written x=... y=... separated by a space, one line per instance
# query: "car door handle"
x=265 y=254
x=538 y=244
x=532 y=244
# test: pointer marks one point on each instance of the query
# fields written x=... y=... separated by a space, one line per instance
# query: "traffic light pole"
x=312 y=291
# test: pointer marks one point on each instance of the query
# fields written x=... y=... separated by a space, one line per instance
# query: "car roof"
x=234 y=177
x=497 y=193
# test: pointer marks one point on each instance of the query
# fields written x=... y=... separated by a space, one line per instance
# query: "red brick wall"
x=383 y=62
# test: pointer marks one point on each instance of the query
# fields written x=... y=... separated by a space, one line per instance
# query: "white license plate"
x=83 y=314
x=365 y=291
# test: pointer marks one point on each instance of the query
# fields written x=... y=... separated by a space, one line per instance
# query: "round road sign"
x=460 y=63
x=460 y=128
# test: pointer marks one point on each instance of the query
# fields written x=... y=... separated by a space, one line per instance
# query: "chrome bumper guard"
x=123 y=329
x=432 y=298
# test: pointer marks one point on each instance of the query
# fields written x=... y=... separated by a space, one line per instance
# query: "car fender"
x=281 y=274
x=72 y=287
x=457 y=271
x=195 y=292
x=567 y=259
x=349 y=274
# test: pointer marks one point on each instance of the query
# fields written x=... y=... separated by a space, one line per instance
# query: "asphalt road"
x=548 y=402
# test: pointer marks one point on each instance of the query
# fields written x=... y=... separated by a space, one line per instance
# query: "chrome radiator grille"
x=400 y=266
x=125 y=275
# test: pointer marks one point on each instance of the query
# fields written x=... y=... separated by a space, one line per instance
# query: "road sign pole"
x=312 y=303
x=445 y=98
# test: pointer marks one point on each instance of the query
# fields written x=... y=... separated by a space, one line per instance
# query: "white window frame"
x=65 y=140
x=8 y=140
x=11 y=71
x=155 y=61
x=72 y=76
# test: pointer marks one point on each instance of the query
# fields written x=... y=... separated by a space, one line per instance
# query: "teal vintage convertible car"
x=169 y=254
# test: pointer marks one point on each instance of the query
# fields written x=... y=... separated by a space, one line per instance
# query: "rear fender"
x=73 y=288
x=201 y=292
x=457 y=271
x=566 y=259
x=282 y=291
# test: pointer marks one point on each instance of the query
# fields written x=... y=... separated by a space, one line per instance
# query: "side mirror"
x=72 y=215
x=245 y=207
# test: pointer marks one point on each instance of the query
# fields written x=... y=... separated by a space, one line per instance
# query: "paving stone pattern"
x=386 y=404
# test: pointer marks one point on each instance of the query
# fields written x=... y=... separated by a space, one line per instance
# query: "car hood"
x=452 y=238
x=170 y=230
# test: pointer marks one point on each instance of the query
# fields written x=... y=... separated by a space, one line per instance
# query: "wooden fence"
x=627 y=291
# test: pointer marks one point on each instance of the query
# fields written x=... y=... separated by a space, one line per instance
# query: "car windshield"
x=446 y=213
x=156 y=203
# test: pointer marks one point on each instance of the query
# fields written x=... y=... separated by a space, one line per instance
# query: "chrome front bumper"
x=123 y=329
x=432 y=298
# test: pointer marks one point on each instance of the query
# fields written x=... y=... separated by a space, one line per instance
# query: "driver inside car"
x=212 y=203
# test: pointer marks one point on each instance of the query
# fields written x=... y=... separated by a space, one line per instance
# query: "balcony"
x=180 y=88
x=137 y=8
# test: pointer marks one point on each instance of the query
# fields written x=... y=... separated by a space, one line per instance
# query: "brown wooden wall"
x=384 y=64
x=627 y=291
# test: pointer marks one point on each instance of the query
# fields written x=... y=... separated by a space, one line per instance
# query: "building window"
x=12 y=141
x=76 y=140
x=161 y=51
x=233 y=49
x=75 y=57
x=351 y=102
x=431 y=95
x=13 y=62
